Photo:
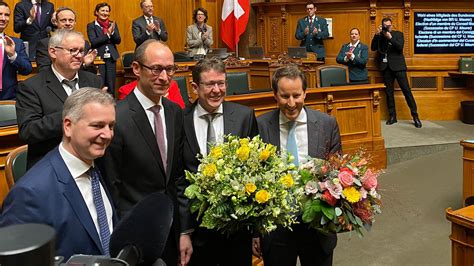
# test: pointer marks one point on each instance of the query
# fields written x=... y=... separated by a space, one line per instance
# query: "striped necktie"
x=104 y=230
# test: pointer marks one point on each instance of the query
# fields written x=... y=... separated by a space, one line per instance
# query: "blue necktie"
x=291 y=146
x=100 y=208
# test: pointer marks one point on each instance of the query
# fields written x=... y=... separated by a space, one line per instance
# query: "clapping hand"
x=306 y=30
x=9 y=46
x=204 y=36
x=111 y=28
x=90 y=56
x=157 y=25
x=315 y=31
x=150 y=27
x=32 y=13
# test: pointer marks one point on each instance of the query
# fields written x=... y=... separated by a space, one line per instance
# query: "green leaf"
x=328 y=211
x=305 y=176
x=338 y=211
x=316 y=205
x=359 y=221
x=308 y=215
x=357 y=182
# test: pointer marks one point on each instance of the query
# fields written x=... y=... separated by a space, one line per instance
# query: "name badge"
x=385 y=60
x=107 y=55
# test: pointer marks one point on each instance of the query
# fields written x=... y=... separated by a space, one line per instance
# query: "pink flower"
x=322 y=185
x=363 y=192
x=327 y=197
x=346 y=178
x=324 y=169
x=311 y=188
x=369 y=180
x=334 y=189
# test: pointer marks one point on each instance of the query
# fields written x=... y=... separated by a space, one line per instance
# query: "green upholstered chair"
x=332 y=75
x=183 y=89
x=127 y=59
x=7 y=113
x=237 y=83
x=15 y=165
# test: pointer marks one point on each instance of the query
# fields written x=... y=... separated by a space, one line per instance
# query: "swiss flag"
x=235 y=15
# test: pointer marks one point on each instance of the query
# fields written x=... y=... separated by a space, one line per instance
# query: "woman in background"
x=104 y=36
x=199 y=35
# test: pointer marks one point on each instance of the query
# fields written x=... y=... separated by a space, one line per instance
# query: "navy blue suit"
x=357 y=67
x=48 y=194
x=21 y=65
x=34 y=32
x=313 y=43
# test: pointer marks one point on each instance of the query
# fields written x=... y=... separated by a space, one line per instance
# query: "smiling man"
x=40 y=98
x=148 y=26
x=65 y=189
x=303 y=132
x=208 y=120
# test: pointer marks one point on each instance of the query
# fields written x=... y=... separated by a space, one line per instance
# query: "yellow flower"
x=351 y=194
x=264 y=154
x=243 y=153
x=262 y=196
x=216 y=152
x=287 y=181
x=250 y=188
x=244 y=142
x=210 y=170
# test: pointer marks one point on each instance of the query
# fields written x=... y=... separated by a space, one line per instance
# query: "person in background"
x=389 y=46
x=199 y=35
x=13 y=57
x=31 y=19
x=312 y=30
x=173 y=93
x=65 y=189
x=355 y=55
x=104 y=36
x=148 y=26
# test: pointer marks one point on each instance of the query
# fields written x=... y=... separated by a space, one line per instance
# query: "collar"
x=61 y=77
x=34 y=2
x=301 y=119
x=146 y=18
x=75 y=165
x=356 y=44
x=200 y=111
x=146 y=102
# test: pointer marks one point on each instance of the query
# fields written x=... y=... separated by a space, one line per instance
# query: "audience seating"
x=237 y=83
x=127 y=59
x=7 y=113
x=332 y=75
x=15 y=165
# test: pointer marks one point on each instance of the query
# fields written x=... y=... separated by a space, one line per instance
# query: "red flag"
x=235 y=15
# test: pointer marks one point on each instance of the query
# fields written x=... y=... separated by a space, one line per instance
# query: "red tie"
x=310 y=22
x=351 y=49
x=2 y=51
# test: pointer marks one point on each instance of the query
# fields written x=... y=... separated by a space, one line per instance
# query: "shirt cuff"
x=13 y=57
x=187 y=232
x=29 y=21
x=352 y=57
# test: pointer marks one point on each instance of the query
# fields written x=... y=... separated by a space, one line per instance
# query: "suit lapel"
x=273 y=129
x=313 y=133
x=53 y=84
x=229 y=119
x=189 y=129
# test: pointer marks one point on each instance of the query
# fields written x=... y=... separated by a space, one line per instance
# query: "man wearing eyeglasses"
x=311 y=31
x=145 y=155
x=148 y=26
x=208 y=120
x=40 y=98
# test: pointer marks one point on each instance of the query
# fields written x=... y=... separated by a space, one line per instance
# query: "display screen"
x=444 y=32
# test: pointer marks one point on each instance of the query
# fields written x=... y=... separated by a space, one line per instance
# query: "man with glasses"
x=40 y=98
x=208 y=120
x=312 y=30
x=64 y=18
x=145 y=155
x=148 y=26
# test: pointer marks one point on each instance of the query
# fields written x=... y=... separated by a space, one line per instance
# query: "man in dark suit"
x=148 y=26
x=13 y=57
x=209 y=83
x=65 y=18
x=302 y=132
x=355 y=55
x=312 y=30
x=389 y=46
x=64 y=189
x=32 y=18
x=40 y=98
x=146 y=153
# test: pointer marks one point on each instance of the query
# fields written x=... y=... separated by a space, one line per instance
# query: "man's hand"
x=185 y=249
x=111 y=28
x=9 y=46
x=150 y=27
x=32 y=13
x=90 y=56
x=349 y=55
x=379 y=30
x=387 y=35
x=256 y=249
x=315 y=31
x=104 y=89
x=306 y=30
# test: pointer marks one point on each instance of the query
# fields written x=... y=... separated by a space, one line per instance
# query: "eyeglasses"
x=157 y=69
x=200 y=14
x=72 y=51
x=210 y=85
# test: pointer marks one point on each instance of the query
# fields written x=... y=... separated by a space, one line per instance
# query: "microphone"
x=204 y=28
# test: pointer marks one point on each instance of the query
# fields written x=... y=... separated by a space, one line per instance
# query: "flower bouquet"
x=244 y=184
x=340 y=193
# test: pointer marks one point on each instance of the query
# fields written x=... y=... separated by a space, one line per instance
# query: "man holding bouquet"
x=208 y=120
x=302 y=132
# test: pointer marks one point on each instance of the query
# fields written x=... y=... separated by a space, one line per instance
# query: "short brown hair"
x=289 y=72
x=205 y=65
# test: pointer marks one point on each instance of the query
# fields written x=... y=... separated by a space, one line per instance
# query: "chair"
x=332 y=75
x=237 y=83
x=183 y=88
x=7 y=113
x=127 y=59
x=15 y=165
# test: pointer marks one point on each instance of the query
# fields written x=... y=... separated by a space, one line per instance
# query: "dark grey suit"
x=283 y=246
x=139 y=31
x=39 y=106
x=210 y=247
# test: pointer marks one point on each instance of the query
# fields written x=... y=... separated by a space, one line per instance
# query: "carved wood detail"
x=284 y=60
x=406 y=26
x=233 y=61
x=376 y=99
x=329 y=102
x=275 y=37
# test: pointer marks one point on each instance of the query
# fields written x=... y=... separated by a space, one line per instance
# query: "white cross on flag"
x=235 y=15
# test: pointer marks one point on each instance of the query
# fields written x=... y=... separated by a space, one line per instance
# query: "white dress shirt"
x=353 y=55
x=301 y=132
x=60 y=77
x=78 y=170
x=200 y=126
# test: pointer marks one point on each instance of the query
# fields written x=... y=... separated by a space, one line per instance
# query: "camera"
x=384 y=29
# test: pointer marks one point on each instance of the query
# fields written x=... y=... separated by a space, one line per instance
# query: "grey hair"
x=61 y=34
x=73 y=106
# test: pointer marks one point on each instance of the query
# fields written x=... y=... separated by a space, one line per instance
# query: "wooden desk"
x=462 y=235
x=468 y=170
x=356 y=108
x=9 y=140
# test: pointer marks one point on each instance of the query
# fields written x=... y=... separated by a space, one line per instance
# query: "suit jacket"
x=139 y=31
x=39 y=107
x=323 y=139
x=313 y=43
x=394 y=50
x=21 y=65
x=99 y=40
x=34 y=32
x=133 y=162
x=48 y=194
x=43 y=61
x=194 y=41
x=357 y=67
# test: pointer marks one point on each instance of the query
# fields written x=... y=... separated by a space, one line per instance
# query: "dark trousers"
x=108 y=73
x=211 y=248
x=282 y=247
x=401 y=77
